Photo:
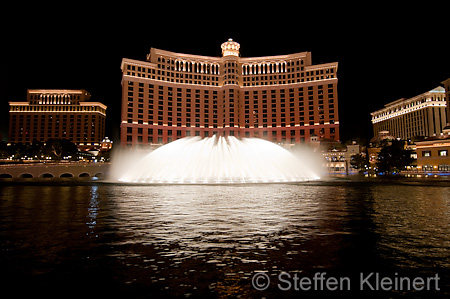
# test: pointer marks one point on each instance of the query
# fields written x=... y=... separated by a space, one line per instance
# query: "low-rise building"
x=433 y=154
x=338 y=159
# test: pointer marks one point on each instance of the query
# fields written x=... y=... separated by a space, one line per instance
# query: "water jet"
x=218 y=160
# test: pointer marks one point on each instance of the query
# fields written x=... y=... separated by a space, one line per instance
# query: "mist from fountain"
x=217 y=160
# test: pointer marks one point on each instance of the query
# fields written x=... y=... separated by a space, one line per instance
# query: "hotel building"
x=423 y=115
x=284 y=98
x=56 y=113
x=446 y=84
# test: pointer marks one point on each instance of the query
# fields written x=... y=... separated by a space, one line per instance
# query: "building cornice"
x=136 y=63
x=276 y=57
x=182 y=55
x=57 y=91
x=93 y=104
x=259 y=59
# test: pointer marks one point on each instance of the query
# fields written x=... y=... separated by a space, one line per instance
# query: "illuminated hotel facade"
x=284 y=99
x=57 y=113
x=423 y=115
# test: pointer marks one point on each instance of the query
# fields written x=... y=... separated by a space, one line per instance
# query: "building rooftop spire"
x=230 y=48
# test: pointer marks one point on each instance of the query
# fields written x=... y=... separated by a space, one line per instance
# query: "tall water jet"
x=218 y=160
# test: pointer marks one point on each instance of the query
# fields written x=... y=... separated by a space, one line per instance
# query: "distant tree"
x=34 y=150
x=19 y=150
x=393 y=158
x=4 y=151
x=104 y=154
x=59 y=148
x=359 y=161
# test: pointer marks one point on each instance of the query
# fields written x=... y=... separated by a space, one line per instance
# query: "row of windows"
x=52 y=118
x=53 y=96
x=288 y=76
x=282 y=133
x=246 y=114
x=57 y=108
x=442 y=168
x=440 y=153
x=205 y=82
x=42 y=137
x=255 y=70
x=213 y=67
x=188 y=66
x=160 y=140
x=335 y=159
x=277 y=106
x=407 y=105
x=265 y=135
x=258 y=83
x=161 y=88
x=57 y=132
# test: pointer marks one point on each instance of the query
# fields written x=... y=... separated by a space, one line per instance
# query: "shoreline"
x=325 y=181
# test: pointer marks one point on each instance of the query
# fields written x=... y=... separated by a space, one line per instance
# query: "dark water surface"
x=128 y=241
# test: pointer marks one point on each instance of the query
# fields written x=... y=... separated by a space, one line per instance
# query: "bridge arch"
x=25 y=175
x=47 y=175
x=66 y=175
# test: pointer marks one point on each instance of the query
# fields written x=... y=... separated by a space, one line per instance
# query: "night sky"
x=384 y=53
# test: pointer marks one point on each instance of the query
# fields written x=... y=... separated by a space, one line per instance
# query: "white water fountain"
x=218 y=160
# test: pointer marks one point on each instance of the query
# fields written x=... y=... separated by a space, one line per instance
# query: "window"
x=443 y=153
x=427 y=168
x=426 y=154
x=444 y=168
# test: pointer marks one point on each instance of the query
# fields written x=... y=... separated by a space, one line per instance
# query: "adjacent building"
x=284 y=98
x=424 y=115
x=446 y=84
x=433 y=154
x=57 y=113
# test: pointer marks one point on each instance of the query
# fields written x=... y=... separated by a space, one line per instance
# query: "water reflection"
x=205 y=240
x=206 y=216
x=414 y=224
x=93 y=210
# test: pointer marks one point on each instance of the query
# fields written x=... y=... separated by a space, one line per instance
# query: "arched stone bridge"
x=54 y=170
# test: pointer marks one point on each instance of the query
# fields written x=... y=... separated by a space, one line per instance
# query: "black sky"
x=384 y=53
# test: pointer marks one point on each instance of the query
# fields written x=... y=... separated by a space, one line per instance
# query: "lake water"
x=132 y=241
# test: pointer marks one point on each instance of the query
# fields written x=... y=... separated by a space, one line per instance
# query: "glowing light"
x=218 y=160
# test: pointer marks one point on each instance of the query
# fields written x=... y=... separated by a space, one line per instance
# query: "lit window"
x=443 y=153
